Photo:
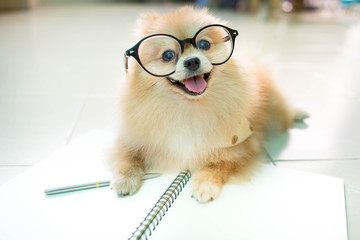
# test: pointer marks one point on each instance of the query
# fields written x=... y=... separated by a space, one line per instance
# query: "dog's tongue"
x=196 y=84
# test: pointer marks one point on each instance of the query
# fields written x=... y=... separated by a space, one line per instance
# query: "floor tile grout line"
x=15 y=165
x=316 y=159
x=75 y=122
x=346 y=206
x=269 y=157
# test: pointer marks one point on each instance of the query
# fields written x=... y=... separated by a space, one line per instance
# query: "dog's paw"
x=205 y=191
x=301 y=115
x=298 y=121
x=126 y=185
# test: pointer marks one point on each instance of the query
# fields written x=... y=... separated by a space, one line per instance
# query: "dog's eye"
x=203 y=45
x=168 y=55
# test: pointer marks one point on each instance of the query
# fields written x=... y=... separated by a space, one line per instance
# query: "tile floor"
x=60 y=67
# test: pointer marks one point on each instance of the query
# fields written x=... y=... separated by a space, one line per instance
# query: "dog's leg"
x=128 y=171
x=208 y=182
x=240 y=161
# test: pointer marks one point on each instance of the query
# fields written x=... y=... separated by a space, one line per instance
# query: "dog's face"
x=190 y=62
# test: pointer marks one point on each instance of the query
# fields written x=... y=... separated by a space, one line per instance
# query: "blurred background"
x=252 y=6
x=61 y=68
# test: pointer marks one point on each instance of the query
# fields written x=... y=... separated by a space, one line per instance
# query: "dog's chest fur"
x=175 y=133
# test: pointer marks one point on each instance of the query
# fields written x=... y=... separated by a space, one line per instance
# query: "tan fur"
x=164 y=128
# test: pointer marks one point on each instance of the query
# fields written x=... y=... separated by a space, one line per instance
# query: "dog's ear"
x=148 y=18
x=146 y=22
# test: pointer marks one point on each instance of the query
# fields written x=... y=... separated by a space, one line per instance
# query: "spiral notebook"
x=277 y=203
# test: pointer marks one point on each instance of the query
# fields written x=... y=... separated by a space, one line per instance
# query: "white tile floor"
x=60 y=67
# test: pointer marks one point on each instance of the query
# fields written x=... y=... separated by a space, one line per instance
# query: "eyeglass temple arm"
x=126 y=57
x=128 y=54
x=233 y=33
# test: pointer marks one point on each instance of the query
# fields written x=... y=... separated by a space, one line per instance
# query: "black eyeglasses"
x=158 y=54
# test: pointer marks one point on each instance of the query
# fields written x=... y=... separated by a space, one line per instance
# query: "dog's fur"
x=165 y=128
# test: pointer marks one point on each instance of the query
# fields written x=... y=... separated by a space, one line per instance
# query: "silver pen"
x=91 y=185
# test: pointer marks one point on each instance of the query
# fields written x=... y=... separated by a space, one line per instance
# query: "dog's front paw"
x=126 y=185
x=205 y=190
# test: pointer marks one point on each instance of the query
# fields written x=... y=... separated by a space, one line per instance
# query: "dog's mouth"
x=194 y=86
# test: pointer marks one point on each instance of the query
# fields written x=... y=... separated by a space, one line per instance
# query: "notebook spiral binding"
x=148 y=225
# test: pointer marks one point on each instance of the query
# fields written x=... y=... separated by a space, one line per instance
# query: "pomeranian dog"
x=190 y=103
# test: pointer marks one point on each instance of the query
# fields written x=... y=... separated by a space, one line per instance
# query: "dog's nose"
x=192 y=63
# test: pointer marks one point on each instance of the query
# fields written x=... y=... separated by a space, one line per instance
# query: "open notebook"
x=276 y=203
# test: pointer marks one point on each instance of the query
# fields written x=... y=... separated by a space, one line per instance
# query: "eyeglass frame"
x=133 y=52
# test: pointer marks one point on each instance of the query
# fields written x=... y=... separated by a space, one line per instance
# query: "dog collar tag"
x=240 y=131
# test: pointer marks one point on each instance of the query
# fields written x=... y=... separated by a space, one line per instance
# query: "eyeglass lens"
x=159 y=54
x=215 y=43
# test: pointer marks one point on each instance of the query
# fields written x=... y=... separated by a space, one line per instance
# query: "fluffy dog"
x=206 y=117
